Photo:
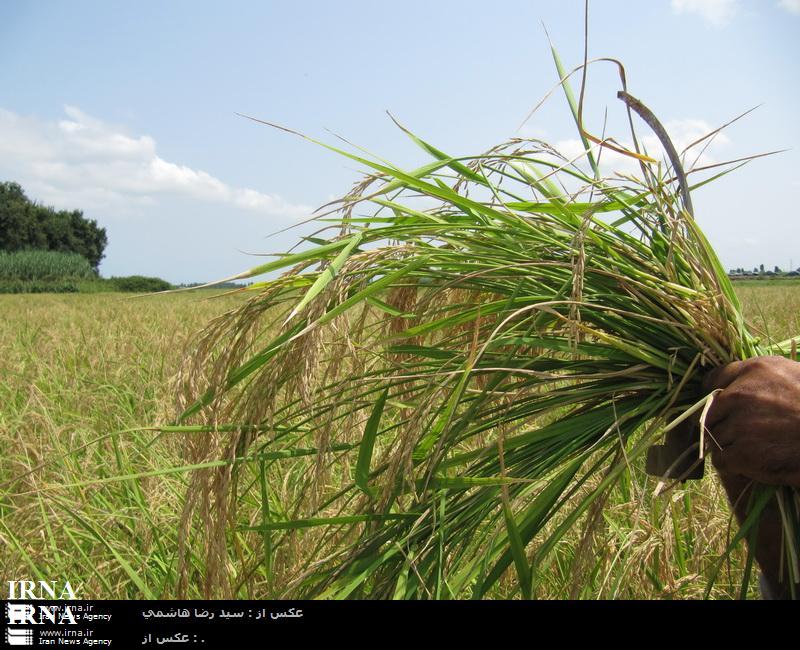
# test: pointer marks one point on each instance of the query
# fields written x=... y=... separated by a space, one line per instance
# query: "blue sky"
x=128 y=110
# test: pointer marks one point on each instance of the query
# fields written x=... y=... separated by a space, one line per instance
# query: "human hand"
x=753 y=424
x=753 y=432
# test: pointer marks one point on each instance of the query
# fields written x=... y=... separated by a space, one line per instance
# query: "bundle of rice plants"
x=453 y=370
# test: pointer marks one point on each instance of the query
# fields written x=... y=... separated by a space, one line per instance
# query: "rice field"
x=92 y=491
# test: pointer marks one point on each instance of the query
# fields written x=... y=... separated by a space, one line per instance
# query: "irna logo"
x=24 y=614
x=41 y=590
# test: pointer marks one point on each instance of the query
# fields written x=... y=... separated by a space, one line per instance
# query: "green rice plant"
x=36 y=265
x=86 y=493
x=454 y=373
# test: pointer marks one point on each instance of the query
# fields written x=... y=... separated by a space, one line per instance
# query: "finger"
x=720 y=460
x=723 y=376
x=728 y=461
x=721 y=436
x=722 y=405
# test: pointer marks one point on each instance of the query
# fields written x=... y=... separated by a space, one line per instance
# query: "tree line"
x=26 y=225
x=760 y=270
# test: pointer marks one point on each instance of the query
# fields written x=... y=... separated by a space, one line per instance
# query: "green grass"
x=41 y=271
x=40 y=265
x=138 y=284
x=84 y=372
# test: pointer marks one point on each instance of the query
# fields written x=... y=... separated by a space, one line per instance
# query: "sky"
x=128 y=111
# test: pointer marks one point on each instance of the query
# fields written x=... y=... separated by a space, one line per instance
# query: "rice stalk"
x=475 y=352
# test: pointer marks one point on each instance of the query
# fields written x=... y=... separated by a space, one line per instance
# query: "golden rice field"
x=91 y=490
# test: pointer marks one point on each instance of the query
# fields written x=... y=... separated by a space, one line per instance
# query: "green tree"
x=26 y=225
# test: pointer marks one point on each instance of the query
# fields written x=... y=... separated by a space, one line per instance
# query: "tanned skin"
x=754 y=430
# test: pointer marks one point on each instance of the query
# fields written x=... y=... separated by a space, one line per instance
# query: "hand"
x=754 y=430
x=754 y=423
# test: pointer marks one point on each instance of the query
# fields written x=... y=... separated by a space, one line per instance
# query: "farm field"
x=91 y=491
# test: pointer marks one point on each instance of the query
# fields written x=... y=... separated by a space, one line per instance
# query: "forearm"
x=768 y=549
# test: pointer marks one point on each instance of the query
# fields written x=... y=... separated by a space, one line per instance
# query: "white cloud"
x=717 y=12
x=792 y=6
x=682 y=132
x=83 y=162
